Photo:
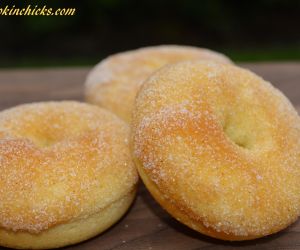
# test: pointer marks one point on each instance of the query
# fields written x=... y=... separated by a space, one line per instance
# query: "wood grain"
x=146 y=225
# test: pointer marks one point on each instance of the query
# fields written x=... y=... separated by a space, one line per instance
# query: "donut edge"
x=182 y=215
x=72 y=232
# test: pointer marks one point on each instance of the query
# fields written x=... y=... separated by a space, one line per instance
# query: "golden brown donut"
x=66 y=173
x=114 y=82
x=218 y=147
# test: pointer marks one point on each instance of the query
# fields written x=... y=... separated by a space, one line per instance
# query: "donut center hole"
x=241 y=141
x=237 y=133
x=43 y=142
x=44 y=137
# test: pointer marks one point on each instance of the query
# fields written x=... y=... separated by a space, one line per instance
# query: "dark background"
x=257 y=30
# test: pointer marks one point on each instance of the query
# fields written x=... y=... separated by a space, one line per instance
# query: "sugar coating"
x=115 y=81
x=60 y=162
x=221 y=145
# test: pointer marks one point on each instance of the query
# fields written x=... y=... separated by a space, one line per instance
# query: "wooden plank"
x=146 y=225
x=23 y=86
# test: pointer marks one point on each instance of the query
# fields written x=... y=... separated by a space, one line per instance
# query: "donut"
x=218 y=147
x=66 y=173
x=114 y=82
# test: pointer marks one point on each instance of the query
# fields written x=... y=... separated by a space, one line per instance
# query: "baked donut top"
x=120 y=76
x=59 y=162
x=222 y=145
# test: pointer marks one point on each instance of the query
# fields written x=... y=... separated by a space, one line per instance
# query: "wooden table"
x=146 y=225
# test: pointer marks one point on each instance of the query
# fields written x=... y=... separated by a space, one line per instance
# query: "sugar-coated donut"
x=218 y=147
x=66 y=173
x=114 y=82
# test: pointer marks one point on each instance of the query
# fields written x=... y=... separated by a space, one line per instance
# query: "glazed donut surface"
x=218 y=147
x=66 y=173
x=115 y=81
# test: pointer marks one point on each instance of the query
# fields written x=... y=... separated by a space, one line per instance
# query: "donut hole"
x=40 y=141
x=43 y=135
x=245 y=121
x=237 y=136
x=236 y=129
x=44 y=139
x=247 y=128
x=48 y=125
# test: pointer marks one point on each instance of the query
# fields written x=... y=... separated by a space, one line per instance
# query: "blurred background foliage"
x=257 y=30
